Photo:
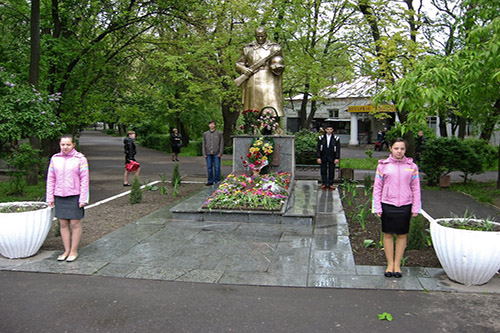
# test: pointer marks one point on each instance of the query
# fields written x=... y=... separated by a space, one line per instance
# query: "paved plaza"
x=226 y=249
x=211 y=257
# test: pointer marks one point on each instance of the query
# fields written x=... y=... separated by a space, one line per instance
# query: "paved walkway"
x=162 y=248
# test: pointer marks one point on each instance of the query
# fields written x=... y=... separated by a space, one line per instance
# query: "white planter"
x=22 y=234
x=467 y=256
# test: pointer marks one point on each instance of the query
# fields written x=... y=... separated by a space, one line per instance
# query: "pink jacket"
x=397 y=183
x=68 y=175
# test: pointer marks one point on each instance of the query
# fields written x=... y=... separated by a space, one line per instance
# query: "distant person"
x=384 y=139
x=380 y=139
x=130 y=150
x=213 y=148
x=328 y=155
x=419 y=146
x=175 y=144
x=396 y=198
x=68 y=190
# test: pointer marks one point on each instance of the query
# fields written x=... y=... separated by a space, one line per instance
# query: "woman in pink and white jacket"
x=68 y=190
x=396 y=198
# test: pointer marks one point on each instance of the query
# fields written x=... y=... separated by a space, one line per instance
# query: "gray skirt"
x=67 y=208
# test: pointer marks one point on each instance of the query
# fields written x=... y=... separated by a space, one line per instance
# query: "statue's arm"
x=241 y=64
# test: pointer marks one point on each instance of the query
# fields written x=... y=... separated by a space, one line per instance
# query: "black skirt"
x=67 y=208
x=396 y=220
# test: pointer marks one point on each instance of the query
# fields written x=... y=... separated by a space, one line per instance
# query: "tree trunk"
x=32 y=177
x=303 y=108
x=230 y=118
x=184 y=134
x=498 y=174
x=462 y=125
x=443 y=132
x=489 y=126
x=311 y=114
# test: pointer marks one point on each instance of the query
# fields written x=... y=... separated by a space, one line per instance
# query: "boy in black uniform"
x=328 y=154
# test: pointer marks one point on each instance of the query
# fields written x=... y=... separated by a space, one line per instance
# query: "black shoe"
x=177 y=160
x=397 y=275
x=209 y=184
x=388 y=274
x=127 y=185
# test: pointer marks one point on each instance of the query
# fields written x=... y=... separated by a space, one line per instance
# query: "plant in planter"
x=23 y=228
x=467 y=248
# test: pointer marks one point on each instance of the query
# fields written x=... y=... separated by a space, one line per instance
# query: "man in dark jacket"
x=328 y=154
x=130 y=150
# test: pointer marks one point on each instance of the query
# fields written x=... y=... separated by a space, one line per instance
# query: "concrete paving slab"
x=200 y=275
x=156 y=273
x=263 y=279
x=362 y=282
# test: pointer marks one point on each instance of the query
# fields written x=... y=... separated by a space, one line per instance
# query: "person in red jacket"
x=396 y=198
x=68 y=190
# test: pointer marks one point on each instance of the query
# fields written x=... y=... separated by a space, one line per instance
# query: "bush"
x=444 y=155
x=156 y=141
x=135 y=192
x=19 y=162
x=417 y=239
x=305 y=147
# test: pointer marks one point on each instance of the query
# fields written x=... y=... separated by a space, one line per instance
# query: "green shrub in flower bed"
x=261 y=192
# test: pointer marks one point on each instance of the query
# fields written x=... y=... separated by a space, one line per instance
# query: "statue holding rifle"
x=261 y=66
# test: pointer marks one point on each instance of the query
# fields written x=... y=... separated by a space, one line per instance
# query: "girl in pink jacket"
x=68 y=190
x=396 y=198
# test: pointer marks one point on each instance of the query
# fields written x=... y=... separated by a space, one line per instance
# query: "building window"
x=333 y=113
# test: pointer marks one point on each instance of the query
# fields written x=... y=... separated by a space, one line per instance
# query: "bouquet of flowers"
x=268 y=120
x=260 y=153
x=249 y=120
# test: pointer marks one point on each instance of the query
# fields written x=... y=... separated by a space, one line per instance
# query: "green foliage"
x=369 y=153
x=444 y=155
x=369 y=243
x=359 y=163
x=399 y=130
x=362 y=213
x=481 y=191
x=29 y=193
x=305 y=147
x=368 y=182
x=135 y=192
x=156 y=141
x=25 y=111
x=176 y=179
x=385 y=316
x=417 y=237
x=19 y=162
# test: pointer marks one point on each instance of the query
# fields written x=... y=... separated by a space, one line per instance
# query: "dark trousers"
x=327 y=172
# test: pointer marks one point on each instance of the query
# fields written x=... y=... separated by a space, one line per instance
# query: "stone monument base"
x=283 y=158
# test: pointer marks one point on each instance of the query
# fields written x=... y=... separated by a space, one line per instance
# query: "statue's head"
x=261 y=35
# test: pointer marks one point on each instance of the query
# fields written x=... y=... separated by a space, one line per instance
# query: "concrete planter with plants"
x=469 y=257
x=23 y=228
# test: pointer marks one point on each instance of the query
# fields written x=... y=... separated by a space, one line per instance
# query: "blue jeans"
x=213 y=168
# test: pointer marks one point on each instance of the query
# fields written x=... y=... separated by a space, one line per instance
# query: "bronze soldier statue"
x=261 y=66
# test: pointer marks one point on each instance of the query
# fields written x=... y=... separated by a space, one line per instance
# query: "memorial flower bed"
x=258 y=192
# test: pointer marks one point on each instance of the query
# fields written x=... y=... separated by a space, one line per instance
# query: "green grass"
x=227 y=162
x=481 y=191
x=31 y=193
x=359 y=163
x=189 y=150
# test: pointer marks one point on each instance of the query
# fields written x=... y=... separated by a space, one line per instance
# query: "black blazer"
x=331 y=153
